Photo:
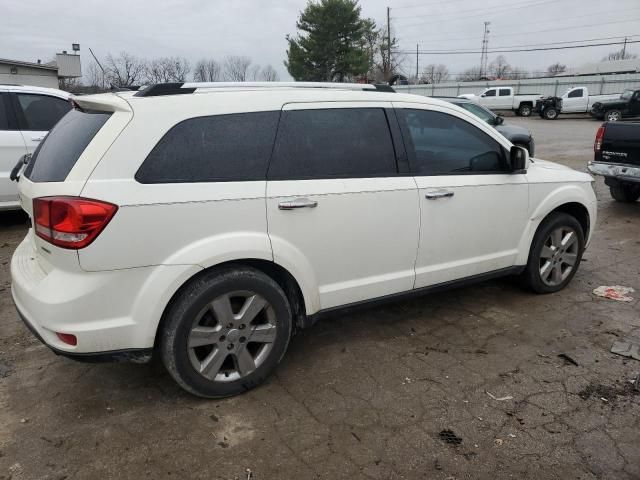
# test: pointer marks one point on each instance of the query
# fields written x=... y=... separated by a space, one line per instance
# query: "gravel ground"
x=465 y=384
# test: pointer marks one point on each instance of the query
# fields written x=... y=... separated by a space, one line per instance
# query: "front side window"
x=505 y=92
x=442 y=144
x=333 y=143
x=220 y=148
x=480 y=112
x=490 y=93
x=575 y=93
x=41 y=112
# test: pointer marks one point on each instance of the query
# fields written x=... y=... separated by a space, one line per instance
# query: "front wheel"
x=613 y=116
x=525 y=110
x=551 y=114
x=226 y=332
x=555 y=253
x=625 y=193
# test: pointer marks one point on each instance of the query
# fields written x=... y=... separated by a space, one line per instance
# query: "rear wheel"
x=625 y=192
x=555 y=253
x=551 y=113
x=613 y=116
x=226 y=332
x=525 y=110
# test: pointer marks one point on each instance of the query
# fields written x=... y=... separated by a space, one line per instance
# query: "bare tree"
x=269 y=74
x=207 y=70
x=621 y=54
x=167 y=69
x=253 y=74
x=518 y=73
x=433 y=73
x=125 y=70
x=94 y=76
x=555 y=69
x=236 y=68
x=500 y=68
x=470 y=75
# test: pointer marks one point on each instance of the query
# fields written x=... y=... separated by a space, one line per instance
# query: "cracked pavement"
x=364 y=395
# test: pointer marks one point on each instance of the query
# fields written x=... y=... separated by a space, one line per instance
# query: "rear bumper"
x=113 y=314
x=623 y=173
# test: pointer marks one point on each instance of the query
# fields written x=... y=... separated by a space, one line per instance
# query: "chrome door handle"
x=438 y=194
x=38 y=139
x=297 y=203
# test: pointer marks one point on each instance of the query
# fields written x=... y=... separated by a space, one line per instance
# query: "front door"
x=575 y=101
x=490 y=98
x=338 y=211
x=473 y=211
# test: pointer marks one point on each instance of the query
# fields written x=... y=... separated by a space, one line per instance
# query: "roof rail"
x=161 y=89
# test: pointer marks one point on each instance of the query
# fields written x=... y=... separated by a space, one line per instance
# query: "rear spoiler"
x=104 y=102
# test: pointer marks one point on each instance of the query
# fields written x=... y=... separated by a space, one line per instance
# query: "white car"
x=207 y=222
x=504 y=98
x=26 y=115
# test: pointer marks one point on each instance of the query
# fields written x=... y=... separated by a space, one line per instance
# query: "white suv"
x=26 y=115
x=207 y=222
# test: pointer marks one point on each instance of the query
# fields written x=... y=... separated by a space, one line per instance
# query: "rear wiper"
x=15 y=171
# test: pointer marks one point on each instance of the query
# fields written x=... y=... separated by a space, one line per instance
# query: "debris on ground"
x=449 y=437
x=636 y=383
x=249 y=474
x=499 y=399
x=4 y=370
x=567 y=359
x=626 y=348
x=614 y=292
x=498 y=442
x=607 y=393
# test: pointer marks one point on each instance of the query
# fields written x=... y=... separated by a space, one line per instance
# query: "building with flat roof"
x=40 y=74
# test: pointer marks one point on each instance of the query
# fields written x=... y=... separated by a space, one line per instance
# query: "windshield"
x=479 y=112
x=626 y=95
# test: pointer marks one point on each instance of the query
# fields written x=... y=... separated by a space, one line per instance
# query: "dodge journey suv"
x=205 y=223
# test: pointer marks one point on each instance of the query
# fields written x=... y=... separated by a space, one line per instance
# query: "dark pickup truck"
x=628 y=105
x=617 y=159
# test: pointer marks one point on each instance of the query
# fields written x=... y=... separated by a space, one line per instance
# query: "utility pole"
x=624 y=48
x=388 y=73
x=99 y=65
x=485 y=46
x=417 y=70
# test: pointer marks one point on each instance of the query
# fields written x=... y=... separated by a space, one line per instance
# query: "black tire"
x=625 y=193
x=550 y=114
x=184 y=313
x=532 y=277
x=613 y=115
x=525 y=110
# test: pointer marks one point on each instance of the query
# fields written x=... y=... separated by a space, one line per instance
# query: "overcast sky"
x=32 y=29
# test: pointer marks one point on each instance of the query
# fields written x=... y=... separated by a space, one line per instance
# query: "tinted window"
x=490 y=93
x=41 y=112
x=479 y=112
x=213 y=149
x=575 y=93
x=340 y=142
x=59 y=151
x=441 y=144
x=4 y=122
x=505 y=92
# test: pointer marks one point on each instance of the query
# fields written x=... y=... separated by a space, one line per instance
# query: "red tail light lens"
x=71 y=222
x=599 y=136
x=68 y=338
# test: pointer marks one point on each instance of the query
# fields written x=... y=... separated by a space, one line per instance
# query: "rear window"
x=220 y=148
x=59 y=151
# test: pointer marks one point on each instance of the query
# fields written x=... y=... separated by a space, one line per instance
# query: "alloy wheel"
x=558 y=256
x=232 y=336
x=613 y=116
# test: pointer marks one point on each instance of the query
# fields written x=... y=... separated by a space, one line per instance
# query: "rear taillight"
x=70 y=222
x=597 y=145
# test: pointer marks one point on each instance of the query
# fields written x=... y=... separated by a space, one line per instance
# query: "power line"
x=421 y=5
x=464 y=52
x=514 y=6
x=551 y=43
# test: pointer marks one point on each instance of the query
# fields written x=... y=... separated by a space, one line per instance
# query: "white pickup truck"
x=574 y=100
x=503 y=98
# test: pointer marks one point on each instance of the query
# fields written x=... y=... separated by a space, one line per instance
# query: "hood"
x=551 y=165
x=606 y=103
x=511 y=131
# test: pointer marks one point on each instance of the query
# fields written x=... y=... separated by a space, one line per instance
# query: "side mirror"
x=483 y=95
x=518 y=159
x=498 y=120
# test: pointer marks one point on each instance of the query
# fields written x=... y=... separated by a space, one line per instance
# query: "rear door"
x=575 y=101
x=504 y=99
x=37 y=114
x=341 y=208
x=12 y=147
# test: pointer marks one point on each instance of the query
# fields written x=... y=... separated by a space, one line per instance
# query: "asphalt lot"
x=365 y=395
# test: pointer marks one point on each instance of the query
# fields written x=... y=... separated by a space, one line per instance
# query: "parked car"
x=26 y=115
x=210 y=221
x=627 y=105
x=503 y=98
x=574 y=100
x=617 y=159
x=515 y=134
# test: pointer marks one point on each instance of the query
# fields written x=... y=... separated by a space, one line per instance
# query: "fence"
x=556 y=86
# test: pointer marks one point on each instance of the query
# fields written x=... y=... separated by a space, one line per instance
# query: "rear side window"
x=59 y=151
x=219 y=148
x=41 y=112
x=333 y=143
x=505 y=92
